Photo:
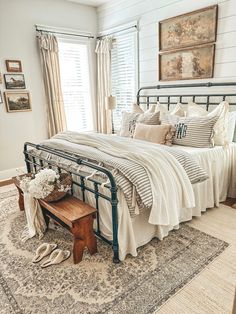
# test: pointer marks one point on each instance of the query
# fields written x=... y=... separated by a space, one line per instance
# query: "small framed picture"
x=13 y=66
x=17 y=101
x=14 y=81
x=1 y=100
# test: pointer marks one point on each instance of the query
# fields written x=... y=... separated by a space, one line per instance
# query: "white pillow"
x=138 y=109
x=221 y=126
x=194 y=110
x=162 y=109
x=231 y=122
x=179 y=110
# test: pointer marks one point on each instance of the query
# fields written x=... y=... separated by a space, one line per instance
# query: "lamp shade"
x=110 y=103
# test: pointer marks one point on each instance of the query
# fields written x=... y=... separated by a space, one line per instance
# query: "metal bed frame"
x=150 y=99
x=34 y=163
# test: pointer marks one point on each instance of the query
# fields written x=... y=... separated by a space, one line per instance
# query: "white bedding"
x=219 y=163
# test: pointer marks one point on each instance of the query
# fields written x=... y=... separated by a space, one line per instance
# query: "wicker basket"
x=55 y=195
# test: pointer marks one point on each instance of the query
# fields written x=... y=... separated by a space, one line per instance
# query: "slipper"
x=43 y=250
x=58 y=256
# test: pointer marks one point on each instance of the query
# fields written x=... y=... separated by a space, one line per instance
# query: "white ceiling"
x=94 y=3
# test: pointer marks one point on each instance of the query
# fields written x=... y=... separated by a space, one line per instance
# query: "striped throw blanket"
x=132 y=160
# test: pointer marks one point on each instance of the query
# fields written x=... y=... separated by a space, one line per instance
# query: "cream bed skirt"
x=218 y=162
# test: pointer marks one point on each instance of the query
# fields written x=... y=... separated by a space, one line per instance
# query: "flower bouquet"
x=47 y=185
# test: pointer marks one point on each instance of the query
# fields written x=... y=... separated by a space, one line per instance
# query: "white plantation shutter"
x=124 y=73
x=75 y=81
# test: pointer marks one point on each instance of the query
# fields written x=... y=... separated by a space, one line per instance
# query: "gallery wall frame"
x=14 y=81
x=13 y=66
x=190 y=29
x=17 y=101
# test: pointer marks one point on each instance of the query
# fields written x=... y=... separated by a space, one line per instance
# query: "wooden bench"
x=72 y=214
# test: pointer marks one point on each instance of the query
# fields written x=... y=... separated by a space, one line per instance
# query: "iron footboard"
x=35 y=163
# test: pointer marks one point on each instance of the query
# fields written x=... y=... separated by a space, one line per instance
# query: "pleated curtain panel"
x=103 y=50
x=48 y=46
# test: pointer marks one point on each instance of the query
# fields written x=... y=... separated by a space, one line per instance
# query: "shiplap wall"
x=150 y=12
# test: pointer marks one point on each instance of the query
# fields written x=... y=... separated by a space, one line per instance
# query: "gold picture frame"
x=189 y=29
x=18 y=101
x=187 y=64
x=13 y=66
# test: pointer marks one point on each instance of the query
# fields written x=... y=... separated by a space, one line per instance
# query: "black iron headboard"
x=171 y=99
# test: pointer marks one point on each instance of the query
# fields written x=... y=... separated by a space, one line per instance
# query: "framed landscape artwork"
x=13 y=66
x=14 y=81
x=17 y=101
x=190 y=29
x=186 y=64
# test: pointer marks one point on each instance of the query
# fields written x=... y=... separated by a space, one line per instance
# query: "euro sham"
x=192 y=131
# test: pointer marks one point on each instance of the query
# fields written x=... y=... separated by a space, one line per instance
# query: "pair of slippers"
x=57 y=256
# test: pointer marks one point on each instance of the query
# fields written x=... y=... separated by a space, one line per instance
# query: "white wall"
x=18 y=41
x=149 y=12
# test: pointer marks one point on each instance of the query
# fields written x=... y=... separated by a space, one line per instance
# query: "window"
x=75 y=81
x=124 y=73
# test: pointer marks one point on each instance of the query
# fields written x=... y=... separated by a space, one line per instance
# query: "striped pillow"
x=192 y=131
x=129 y=120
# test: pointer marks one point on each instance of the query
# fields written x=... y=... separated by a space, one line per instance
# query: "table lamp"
x=111 y=105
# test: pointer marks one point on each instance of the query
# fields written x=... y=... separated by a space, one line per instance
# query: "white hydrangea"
x=43 y=183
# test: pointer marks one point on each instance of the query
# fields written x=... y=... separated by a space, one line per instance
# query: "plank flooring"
x=212 y=291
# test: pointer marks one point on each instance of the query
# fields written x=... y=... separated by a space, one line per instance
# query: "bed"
x=115 y=224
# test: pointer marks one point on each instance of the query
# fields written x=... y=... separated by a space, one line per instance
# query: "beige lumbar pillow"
x=159 y=134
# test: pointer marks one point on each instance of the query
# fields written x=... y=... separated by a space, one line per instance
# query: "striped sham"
x=192 y=131
x=129 y=121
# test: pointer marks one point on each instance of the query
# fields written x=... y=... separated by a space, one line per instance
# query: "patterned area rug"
x=96 y=285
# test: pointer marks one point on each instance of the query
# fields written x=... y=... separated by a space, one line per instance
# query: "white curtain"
x=103 y=50
x=48 y=46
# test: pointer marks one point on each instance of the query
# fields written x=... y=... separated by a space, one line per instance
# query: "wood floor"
x=212 y=291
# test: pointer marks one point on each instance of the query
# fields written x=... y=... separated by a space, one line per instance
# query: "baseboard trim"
x=9 y=173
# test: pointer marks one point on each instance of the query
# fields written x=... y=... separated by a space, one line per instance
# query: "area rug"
x=96 y=285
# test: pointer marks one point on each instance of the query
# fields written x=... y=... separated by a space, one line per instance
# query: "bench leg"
x=21 y=199
x=83 y=237
x=46 y=218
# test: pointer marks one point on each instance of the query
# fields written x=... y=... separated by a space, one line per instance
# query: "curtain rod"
x=119 y=31
x=62 y=33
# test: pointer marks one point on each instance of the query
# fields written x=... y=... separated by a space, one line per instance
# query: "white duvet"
x=171 y=187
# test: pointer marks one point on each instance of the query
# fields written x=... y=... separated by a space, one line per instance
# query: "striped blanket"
x=128 y=159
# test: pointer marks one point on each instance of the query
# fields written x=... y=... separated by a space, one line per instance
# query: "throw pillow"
x=192 y=131
x=129 y=120
x=159 y=134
